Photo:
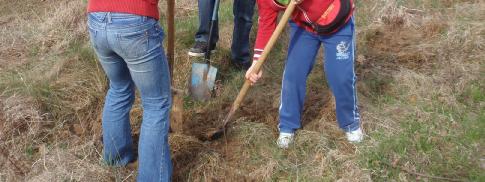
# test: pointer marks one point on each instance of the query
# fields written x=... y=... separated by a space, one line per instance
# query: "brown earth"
x=45 y=135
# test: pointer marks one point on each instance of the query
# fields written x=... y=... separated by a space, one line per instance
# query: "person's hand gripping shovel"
x=254 y=72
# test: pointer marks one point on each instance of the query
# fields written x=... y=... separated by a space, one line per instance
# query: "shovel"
x=176 y=122
x=204 y=75
x=281 y=25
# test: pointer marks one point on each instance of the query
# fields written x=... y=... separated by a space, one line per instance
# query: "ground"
x=420 y=71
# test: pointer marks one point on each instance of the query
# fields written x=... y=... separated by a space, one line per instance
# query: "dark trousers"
x=243 y=20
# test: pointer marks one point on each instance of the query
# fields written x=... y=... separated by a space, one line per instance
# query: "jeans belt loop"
x=109 y=18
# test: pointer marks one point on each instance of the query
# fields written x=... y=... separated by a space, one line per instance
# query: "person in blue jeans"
x=243 y=20
x=129 y=48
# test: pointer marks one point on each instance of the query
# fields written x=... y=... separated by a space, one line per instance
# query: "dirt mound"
x=20 y=123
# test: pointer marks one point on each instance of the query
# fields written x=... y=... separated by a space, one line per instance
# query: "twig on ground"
x=18 y=170
x=127 y=177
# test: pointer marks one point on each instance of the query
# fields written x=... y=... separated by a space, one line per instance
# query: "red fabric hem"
x=138 y=7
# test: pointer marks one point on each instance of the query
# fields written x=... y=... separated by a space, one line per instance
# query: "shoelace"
x=285 y=139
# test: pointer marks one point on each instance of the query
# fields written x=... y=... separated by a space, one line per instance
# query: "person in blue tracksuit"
x=339 y=51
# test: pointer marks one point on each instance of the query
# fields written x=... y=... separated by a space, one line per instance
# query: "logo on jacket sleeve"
x=343 y=50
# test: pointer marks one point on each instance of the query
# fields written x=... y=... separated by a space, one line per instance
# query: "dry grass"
x=41 y=108
x=420 y=63
x=60 y=165
x=21 y=121
x=39 y=29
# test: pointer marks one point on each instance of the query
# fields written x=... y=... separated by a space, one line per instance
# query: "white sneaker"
x=355 y=136
x=284 y=140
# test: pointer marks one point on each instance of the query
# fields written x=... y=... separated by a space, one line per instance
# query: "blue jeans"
x=129 y=48
x=243 y=20
x=339 y=71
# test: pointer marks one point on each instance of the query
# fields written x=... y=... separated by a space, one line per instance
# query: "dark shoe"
x=199 y=49
x=132 y=165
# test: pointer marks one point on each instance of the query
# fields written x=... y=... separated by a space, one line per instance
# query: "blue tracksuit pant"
x=339 y=71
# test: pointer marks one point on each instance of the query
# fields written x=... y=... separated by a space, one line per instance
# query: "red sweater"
x=268 y=14
x=137 y=7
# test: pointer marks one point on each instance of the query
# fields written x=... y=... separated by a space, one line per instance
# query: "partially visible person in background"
x=127 y=39
x=243 y=20
x=314 y=22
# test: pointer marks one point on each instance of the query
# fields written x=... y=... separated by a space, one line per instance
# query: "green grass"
x=473 y=95
x=444 y=144
x=29 y=151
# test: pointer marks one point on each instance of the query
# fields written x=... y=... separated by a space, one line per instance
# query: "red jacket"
x=137 y=7
x=308 y=10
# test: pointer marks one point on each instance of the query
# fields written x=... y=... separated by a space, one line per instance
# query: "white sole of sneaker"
x=194 y=54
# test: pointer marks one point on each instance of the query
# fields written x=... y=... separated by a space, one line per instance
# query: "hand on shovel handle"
x=252 y=75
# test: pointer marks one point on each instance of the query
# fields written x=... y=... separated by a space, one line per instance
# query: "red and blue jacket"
x=306 y=11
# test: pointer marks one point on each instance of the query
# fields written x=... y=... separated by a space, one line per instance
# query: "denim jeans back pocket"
x=133 y=44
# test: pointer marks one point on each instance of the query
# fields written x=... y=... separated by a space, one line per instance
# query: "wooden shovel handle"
x=171 y=37
x=259 y=63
